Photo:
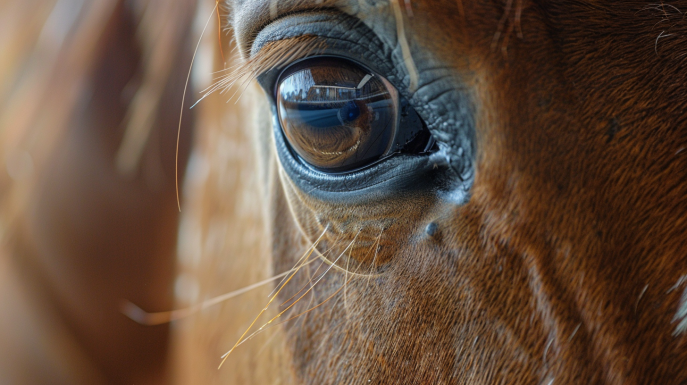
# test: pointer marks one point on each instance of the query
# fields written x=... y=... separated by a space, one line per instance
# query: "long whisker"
x=307 y=252
x=348 y=261
x=316 y=282
x=144 y=318
x=183 y=100
x=219 y=31
x=346 y=282
x=320 y=304
x=241 y=340
x=264 y=309
x=316 y=270
x=375 y=246
x=305 y=312
x=313 y=295
x=309 y=282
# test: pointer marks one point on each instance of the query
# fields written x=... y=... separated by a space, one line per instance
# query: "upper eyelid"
x=331 y=32
x=346 y=35
x=252 y=18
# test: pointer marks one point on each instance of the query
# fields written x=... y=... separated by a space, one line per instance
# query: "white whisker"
x=314 y=245
x=242 y=340
x=144 y=318
x=183 y=100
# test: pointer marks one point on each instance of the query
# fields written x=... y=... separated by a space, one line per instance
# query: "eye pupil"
x=350 y=112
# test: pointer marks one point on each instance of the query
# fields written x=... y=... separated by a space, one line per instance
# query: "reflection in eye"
x=336 y=115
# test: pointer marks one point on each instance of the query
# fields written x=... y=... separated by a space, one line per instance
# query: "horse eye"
x=336 y=115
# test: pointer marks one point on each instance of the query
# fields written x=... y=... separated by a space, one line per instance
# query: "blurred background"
x=90 y=95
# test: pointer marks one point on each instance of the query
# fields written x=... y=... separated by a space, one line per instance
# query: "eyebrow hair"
x=272 y=55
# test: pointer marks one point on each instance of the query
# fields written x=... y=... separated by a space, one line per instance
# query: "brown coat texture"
x=566 y=265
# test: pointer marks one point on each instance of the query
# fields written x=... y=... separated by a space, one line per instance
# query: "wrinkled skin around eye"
x=566 y=264
x=335 y=115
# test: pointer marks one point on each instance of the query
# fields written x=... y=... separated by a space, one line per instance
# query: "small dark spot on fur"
x=611 y=129
x=544 y=101
x=431 y=229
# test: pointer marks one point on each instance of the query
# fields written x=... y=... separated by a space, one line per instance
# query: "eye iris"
x=336 y=115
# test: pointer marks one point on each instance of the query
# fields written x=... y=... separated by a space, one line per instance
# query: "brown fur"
x=560 y=265
x=566 y=266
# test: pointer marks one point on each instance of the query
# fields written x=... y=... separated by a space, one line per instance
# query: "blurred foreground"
x=90 y=93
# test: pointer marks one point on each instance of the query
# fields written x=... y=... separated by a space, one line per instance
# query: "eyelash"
x=277 y=54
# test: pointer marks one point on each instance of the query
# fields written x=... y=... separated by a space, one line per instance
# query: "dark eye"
x=338 y=116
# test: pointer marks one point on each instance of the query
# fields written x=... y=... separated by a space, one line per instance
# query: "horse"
x=423 y=192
